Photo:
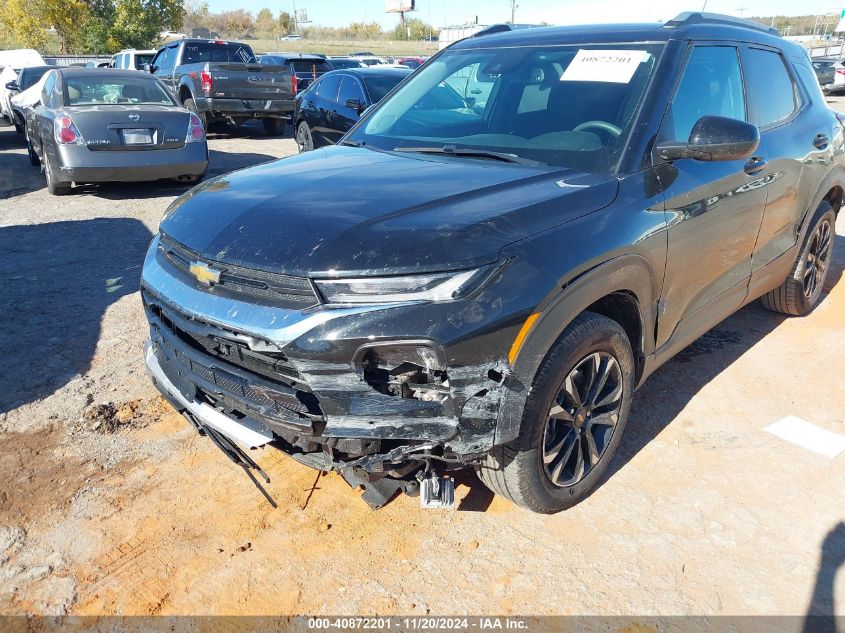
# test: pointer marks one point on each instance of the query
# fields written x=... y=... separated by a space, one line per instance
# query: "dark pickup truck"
x=221 y=80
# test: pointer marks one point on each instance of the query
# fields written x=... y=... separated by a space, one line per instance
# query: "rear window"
x=99 y=90
x=380 y=86
x=318 y=66
x=201 y=52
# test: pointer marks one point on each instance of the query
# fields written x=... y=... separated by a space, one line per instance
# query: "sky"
x=448 y=12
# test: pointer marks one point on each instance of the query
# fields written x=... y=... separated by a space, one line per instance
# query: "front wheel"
x=304 y=140
x=573 y=419
x=802 y=290
x=274 y=127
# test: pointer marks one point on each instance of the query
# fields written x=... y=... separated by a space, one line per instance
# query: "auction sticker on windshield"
x=608 y=66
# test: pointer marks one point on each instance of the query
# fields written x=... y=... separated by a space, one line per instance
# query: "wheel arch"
x=185 y=92
x=622 y=289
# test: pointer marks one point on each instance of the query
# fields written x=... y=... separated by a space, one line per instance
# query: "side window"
x=811 y=84
x=158 y=59
x=165 y=61
x=711 y=85
x=350 y=89
x=328 y=87
x=47 y=94
x=770 y=88
x=123 y=60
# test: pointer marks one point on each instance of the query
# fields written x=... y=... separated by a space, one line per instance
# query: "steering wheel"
x=601 y=125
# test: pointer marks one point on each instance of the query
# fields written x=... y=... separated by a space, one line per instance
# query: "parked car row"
x=117 y=124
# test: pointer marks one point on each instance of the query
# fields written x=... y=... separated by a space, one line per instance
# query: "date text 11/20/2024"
x=426 y=623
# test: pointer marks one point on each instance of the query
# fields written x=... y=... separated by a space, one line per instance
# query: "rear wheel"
x=53 y=185
x=304 y=140
x=802 y=290
x=573 y=419
x=274 y=127
x=191 y=105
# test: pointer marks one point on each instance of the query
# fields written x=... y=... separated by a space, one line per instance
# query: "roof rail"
x=697 y=17
x=496 y=28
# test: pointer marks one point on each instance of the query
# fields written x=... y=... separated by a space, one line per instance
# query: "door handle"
x=755 y=165
x=821 y=141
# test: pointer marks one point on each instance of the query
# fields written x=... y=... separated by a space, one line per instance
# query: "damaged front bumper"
x=369 y=388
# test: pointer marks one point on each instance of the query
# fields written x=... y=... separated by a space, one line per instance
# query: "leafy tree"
x=419 y=30
x=265 y=23
x=24 y=23
x=365 y=30
x=137 y=23
x=237 y=23
x=197 y=15
x=286 y=24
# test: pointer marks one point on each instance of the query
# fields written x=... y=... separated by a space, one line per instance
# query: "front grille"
x=285 y=291
x=266 y=382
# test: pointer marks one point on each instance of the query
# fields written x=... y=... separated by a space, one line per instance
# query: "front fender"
x=631 y=274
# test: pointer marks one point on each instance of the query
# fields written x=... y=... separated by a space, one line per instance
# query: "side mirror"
x=714 y=138
x=356 y=105
x=13 y=85
x=148 y=68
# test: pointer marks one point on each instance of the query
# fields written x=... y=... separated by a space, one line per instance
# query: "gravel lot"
x=111 y=504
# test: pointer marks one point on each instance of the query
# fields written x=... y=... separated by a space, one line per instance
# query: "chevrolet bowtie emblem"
x=205 y=273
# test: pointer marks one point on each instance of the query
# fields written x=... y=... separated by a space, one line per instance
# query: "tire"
x=523 y=470
x=304 y=139
x=192 y=106
x=273 y=127
x=33 y=157
x=53 y=185
x=802 y=290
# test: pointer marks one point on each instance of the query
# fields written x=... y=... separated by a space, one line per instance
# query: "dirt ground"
x=111 y=504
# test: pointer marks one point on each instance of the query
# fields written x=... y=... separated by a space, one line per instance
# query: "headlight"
x=430 y=287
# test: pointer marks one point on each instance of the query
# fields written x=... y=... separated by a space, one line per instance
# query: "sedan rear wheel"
x=53 y=185
x=304 y=140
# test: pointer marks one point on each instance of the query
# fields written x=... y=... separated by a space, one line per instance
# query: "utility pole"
x=514 y=5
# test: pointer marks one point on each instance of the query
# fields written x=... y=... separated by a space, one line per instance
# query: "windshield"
x=105 y=89
x=378 y=85
x=569 y=106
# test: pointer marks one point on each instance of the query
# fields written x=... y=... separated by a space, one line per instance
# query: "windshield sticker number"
x=607 y=66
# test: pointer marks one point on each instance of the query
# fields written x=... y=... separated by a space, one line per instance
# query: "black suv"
x=486 y=285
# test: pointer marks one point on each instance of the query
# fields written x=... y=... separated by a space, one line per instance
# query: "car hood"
x=363 y=212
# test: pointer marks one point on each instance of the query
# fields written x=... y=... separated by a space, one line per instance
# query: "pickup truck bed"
x=222 y=81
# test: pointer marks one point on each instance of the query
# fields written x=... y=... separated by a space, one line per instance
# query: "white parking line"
x=807 y=435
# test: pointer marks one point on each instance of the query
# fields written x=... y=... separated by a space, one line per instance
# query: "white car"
x=132 y=59
x=11 y=63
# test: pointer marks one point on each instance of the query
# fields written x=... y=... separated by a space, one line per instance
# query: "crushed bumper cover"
x=322 y=355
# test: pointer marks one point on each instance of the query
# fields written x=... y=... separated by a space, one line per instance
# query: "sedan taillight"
x=66 y=132
x=196 y=133
x=840 y=71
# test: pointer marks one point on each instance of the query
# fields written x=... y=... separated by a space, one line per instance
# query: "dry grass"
x=343 y=47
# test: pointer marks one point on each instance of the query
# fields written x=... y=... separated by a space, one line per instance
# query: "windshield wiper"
x=452 y=150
